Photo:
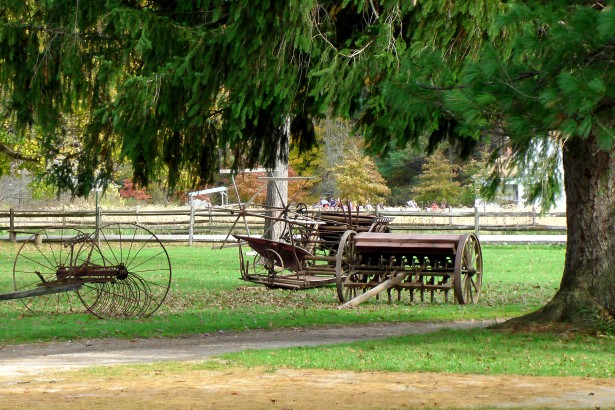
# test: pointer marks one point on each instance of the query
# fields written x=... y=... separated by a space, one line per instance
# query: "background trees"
x=358 y=180
x=436 y=182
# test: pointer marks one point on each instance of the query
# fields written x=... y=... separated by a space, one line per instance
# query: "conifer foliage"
x=170 y=86
x=539 y=78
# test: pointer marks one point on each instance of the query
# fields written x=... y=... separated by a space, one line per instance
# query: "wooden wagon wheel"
x=468 y=275
x=346 y=259
x=39 y=260
x=141 y=271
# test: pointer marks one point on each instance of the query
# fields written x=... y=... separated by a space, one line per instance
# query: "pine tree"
x=170 y=86
x=539 y=75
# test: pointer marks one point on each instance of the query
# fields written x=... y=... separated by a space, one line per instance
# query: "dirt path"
x=44 y=376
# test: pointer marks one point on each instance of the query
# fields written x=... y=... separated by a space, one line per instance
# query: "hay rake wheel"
x=141 y=271
x=268 y=264
x=119 y=270
x=346 y=259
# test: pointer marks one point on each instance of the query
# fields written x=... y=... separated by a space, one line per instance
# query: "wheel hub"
x=122 y=272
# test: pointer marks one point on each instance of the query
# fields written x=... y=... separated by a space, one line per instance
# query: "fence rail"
x=191 y=224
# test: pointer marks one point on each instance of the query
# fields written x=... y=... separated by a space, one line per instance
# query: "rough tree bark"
x=277 y=191
x=587 y=291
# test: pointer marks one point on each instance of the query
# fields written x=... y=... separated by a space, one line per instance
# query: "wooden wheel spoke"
x=469 y=256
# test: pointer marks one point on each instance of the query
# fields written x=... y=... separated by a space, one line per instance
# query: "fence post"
x=533 y=217
x=191 y=226
x=12 y=233
x=476 y=222
x=98 y=217
x=137 y=215
x=450 y=216
x=97 y=214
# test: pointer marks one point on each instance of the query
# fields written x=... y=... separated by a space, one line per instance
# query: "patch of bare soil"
x=299 y=389
x=48 y=375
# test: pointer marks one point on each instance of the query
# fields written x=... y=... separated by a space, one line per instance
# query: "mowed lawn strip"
x=475 y=351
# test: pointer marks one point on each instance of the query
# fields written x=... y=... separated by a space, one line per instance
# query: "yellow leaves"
x=359 y=181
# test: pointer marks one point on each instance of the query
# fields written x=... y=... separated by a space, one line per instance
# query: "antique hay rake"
x=120 y=270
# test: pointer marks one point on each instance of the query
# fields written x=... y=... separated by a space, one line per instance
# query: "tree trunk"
x=586 y=297
x=277 y=191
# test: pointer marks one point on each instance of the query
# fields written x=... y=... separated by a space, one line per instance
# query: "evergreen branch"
x=525 y=75
x=512 y=87
x=598 y=5
x=441 y=88
x=520 y=77
x=601 y=52
x=42 y=28
x=58 y=32
x=168 y=12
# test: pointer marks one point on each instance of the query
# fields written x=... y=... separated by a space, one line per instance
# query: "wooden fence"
x=191 y=224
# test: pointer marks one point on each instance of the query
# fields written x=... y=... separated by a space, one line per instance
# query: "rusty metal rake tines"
x=119 y=270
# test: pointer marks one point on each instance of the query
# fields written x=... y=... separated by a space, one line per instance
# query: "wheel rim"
x=345 y=260
x=242 y=263
x=468 y=270
x=268 y=264
x=45 y=259
x=143 y=271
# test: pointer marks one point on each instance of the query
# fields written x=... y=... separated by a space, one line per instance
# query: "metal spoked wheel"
x=468 y=276
x=302 y=209
x=346 y=259
x=39 y=260
x=140 y=266
x=268 y=264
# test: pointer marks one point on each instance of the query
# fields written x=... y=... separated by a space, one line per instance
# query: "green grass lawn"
x=207 y=295
x=475 y=351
